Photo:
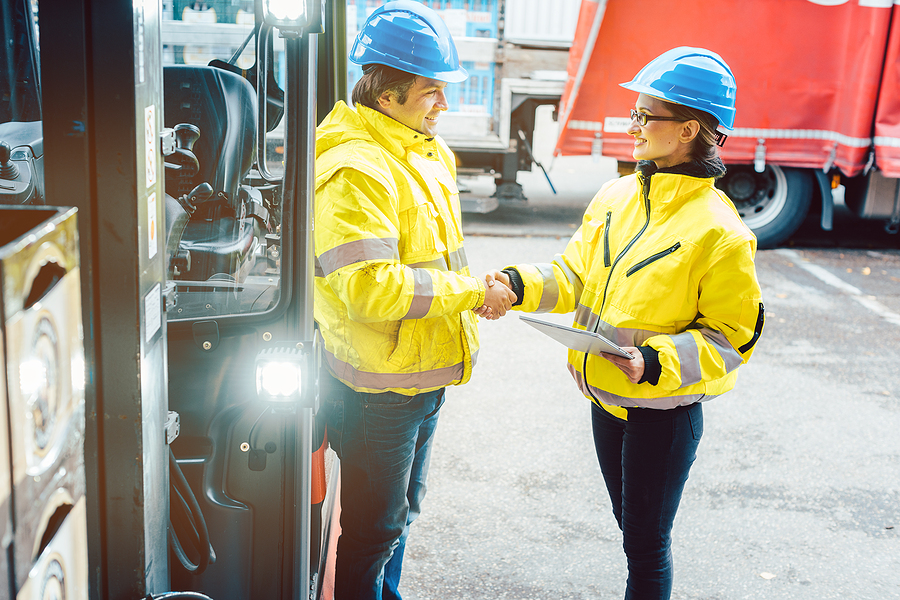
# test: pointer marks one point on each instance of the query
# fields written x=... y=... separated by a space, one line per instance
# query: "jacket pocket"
x=652 y=259
x=420 y=238
x=661 y=288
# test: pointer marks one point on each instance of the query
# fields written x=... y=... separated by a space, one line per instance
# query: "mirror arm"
x=262 y=73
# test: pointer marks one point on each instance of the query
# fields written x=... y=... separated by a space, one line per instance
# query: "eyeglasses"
x=644 y=118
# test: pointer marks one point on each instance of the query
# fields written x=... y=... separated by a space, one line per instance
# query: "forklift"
x=159 y=397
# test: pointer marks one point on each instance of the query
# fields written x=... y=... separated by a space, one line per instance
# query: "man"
x=394 y=296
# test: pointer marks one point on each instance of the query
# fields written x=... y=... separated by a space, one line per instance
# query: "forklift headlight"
x=279 y=379
x=280 y=374
x=285 y=14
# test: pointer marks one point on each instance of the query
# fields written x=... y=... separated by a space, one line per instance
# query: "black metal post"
x=102 y=96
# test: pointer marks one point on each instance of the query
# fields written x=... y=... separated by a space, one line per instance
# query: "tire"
x=773 y=203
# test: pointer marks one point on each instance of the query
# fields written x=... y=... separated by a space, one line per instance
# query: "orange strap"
x=317 y=494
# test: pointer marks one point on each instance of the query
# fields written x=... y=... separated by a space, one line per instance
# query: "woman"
x=663 y=265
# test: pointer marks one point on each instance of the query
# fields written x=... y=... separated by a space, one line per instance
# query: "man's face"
x=423 y=105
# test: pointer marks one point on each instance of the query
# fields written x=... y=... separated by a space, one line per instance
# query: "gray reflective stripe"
x=423 y=294
x=730 y=356
x=585 y=317
x=550 y=293
x=623 y=336
x=664 y=403
x=358 y=251
x=319 y=272
x=439 y=264
x=688 y=358
x=458 y=259
x=407 y=381
x=573 y=277
x=685 y=344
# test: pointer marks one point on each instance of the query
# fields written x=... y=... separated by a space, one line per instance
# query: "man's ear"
x=689 y=131
x=385 y=100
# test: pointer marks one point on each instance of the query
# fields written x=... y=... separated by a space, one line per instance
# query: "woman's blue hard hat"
x=694 y=77
x=411 y=37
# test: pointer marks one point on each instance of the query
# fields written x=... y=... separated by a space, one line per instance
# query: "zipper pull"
x=607 y=262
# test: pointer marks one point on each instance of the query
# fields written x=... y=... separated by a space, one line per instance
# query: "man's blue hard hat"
x=693 y=77
x=411 y=37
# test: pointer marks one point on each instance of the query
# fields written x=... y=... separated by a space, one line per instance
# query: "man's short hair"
x=378 y=79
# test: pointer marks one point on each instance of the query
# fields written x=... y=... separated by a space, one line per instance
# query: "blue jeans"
x=645 y=462
x=384 y=443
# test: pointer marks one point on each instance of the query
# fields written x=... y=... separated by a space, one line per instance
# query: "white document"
x=576 y=339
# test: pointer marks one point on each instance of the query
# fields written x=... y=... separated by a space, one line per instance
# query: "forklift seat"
x=223 y=106
x=220 y=235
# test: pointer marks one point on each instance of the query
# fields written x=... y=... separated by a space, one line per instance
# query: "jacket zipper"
x=645 y=188
x=606 y=261
x=760 y=321
x=652 y=259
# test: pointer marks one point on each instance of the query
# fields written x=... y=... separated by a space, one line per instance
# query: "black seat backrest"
x=224 y=106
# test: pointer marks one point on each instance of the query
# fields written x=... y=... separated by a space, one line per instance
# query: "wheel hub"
x=741 y=187
x=751 y=192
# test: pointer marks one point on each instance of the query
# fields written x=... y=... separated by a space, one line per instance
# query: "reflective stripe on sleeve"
x=550 y=292
x=358 y=251
x=458 y=260
x=729 y=355
x=423 y=295
x=439 y=265
x=573 y=278
x=688 y=358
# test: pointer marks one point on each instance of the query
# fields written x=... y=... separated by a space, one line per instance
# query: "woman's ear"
x=689 y=131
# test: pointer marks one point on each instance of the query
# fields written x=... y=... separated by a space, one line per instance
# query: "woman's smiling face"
x=667 y=143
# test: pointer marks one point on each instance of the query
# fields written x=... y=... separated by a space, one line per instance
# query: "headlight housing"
x=283 y=374
x=286 y=14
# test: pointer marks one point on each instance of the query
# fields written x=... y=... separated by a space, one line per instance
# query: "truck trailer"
x=818 y=99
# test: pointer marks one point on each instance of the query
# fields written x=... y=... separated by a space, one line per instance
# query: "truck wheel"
x=772 y=203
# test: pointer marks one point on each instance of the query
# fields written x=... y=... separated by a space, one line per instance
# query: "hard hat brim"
x=677 y=99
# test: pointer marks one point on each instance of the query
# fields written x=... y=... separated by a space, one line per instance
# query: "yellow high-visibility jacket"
x=663 y=261
x=393 y=292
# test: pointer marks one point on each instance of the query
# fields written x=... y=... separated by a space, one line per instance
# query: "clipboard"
x=576 y=339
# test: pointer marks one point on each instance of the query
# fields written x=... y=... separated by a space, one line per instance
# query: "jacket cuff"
x=481 y=291
x=652 y=368
x=516 y=285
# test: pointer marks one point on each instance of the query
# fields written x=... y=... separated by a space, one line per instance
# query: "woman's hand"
x=633 y=368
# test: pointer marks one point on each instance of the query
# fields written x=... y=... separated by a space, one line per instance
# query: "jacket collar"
x=714 y=168
x=390 y=133
x=345 y=124
x=671 y=185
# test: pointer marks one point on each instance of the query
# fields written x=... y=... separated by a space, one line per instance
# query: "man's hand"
x=498 y=298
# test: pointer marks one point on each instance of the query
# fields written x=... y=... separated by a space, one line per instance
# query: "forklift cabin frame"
x=97 y=98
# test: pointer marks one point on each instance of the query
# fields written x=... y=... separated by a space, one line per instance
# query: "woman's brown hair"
x=704 y=149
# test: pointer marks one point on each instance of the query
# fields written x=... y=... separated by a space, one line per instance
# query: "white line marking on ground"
x=821 y=274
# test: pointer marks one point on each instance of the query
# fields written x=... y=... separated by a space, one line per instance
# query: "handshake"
x=498 y=297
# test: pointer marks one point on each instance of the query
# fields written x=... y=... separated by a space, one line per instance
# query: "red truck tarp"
x=818 y=81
